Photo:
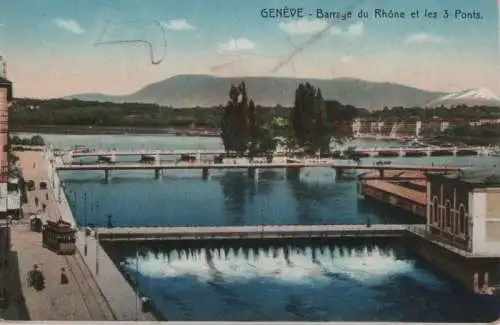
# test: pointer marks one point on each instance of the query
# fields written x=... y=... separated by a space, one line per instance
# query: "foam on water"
x=370 y=266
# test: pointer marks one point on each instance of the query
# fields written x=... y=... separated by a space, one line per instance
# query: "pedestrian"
x=36 y=201
x=47 y=196
x=110 y=223
x=64 y=277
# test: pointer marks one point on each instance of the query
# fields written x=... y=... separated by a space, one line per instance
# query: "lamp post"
x=97 y=242
x=85 y=247
x=96 y=251
x=136 y=284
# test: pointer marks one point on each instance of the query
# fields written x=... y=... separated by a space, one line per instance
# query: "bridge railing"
x=267 y=227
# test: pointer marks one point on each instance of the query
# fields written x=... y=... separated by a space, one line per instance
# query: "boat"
x=81 y=148
x=495 y=152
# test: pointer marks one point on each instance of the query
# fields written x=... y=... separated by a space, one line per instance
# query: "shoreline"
x=111 y=130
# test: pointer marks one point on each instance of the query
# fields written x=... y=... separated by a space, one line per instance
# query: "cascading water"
x=367 y=264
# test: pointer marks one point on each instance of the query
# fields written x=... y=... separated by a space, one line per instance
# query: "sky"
x=56 y=48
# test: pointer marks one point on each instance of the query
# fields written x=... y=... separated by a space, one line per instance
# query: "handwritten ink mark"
x=314 y=38
x=141 y=42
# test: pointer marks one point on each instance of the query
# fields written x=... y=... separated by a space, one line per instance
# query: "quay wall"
x=476 y=273
x=122 y=299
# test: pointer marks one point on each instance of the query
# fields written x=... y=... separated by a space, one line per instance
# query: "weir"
x=250 y=232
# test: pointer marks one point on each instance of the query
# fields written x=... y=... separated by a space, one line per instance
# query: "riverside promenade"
x=104 y=297
x=119 y=295
x=80 y=299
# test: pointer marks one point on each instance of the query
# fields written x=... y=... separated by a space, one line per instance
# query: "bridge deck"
x=201 y=165
x=249 y=232
x=138 y=152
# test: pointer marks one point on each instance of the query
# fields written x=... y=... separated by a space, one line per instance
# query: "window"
x=447 y=214
x=435 y=210
x=462 y=219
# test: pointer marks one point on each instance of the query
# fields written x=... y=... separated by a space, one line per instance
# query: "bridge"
x=111 y=154
x=292 y=167
x=250 y=232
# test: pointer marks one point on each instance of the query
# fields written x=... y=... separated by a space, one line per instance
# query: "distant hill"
x=468 y=97
x=203 y=90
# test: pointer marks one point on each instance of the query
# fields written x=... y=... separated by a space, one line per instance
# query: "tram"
x=60 y=237
x=36 y=223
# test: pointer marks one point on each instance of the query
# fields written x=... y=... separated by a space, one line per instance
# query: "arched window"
x=435 y=210
x=462 y=219
x=447 y=214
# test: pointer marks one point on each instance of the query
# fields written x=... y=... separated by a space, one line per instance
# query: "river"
x=310 y=283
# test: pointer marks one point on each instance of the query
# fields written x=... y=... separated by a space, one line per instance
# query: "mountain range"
x=205 y=91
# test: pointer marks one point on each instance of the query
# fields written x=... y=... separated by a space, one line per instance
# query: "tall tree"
x=310 y=126
x=254 y=130
x=235 y=121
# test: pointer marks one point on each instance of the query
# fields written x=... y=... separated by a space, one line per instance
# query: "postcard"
x=250 y=161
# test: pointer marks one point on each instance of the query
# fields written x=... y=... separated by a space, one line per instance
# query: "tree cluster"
x=35 y=140
x=426 y=114
x=243 y=131
x=308 y=126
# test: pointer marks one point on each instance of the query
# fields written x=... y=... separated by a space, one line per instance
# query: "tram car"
x=59 y=237
x=36 y=223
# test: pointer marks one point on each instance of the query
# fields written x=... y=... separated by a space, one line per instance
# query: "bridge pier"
x=339 y=173
x=204 y=173
x=107 y=174
x=157 y=157
x=157 y=173
x=292 y=172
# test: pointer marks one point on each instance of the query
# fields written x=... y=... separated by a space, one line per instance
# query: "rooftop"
x=477 y=177
x=5 y=83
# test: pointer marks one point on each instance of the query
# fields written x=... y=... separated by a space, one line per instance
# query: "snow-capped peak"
x=475 y=93
x=469 y=97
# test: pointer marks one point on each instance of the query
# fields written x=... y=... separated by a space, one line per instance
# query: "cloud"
x=239 y=44
x=303 y=26
x=69 y=25
x=347 y=58
x=311 y=26
x=179 y=24
x=356 y=29
x=423 y=38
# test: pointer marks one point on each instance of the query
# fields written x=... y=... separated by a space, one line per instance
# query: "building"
x=10 y=194
x=463 y=209
x=362 y=127
x=4 y=257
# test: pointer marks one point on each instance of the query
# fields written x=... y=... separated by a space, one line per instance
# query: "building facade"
x=463 y=209
x=362 y=127
x=5 y=243
x=10 y=193
x=5 y=98
x=5 y=275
